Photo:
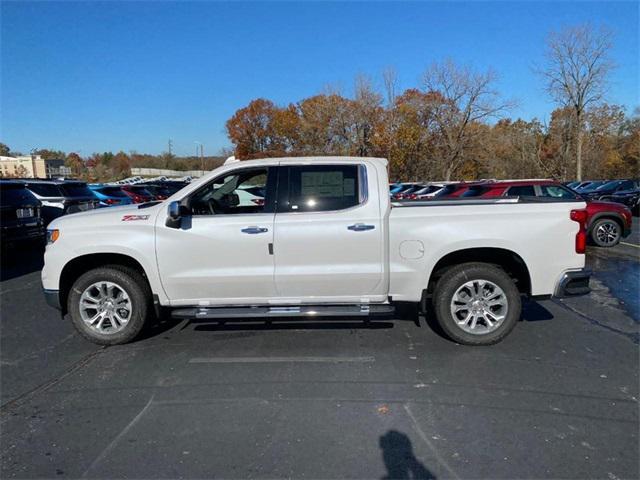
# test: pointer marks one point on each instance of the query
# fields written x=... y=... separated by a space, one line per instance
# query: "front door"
x=221 y=254
x=329 y=236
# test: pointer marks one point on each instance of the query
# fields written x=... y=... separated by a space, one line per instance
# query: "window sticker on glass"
x=349 y=187
x=323 y=184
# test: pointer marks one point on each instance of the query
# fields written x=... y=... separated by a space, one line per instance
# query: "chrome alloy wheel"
x=105 y=307
x=479 y=307
x=608 y=233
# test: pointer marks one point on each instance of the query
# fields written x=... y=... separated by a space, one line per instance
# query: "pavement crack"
x=634 y=337
x=6 y=407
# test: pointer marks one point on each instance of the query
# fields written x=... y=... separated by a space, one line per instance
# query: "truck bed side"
x=421 y=237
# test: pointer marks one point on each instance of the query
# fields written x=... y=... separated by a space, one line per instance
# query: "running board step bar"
x=298 y=311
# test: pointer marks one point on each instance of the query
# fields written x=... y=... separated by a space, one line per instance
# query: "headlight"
x=52 y=236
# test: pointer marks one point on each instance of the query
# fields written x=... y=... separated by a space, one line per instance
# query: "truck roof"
x=314 y=159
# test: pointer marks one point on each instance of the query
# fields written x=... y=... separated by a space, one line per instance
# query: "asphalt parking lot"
x=337 y=399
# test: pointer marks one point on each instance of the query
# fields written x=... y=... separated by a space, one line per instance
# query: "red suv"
x=607 y=222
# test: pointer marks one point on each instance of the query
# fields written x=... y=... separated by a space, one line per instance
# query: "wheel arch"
x=82 y=264
x=606 y=216
x=508 y=260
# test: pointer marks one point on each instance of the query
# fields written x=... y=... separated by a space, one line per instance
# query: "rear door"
x=329 y=237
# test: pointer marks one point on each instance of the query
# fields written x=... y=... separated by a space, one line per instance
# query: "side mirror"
x=175 y=212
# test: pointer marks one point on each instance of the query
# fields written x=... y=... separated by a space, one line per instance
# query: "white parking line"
x=282 y=359
x=118 y=437
x=429 y=443
x=630 y=244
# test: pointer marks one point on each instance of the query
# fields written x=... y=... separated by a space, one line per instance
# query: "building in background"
x=32 y=166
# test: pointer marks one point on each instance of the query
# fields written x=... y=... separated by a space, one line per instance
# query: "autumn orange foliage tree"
x=420 y=132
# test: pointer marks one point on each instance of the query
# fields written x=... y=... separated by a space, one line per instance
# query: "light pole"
x=201 y=155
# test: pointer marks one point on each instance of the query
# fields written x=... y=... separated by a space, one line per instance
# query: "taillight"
x=110 y=201
x=580 y=216
x=258 y=201
x=412 y=196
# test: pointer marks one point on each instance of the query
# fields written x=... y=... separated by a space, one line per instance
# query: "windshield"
x=173 y=188
x=429 y=189
x=446 y=190
x=608 y=185
x=140 y=190
x=592 y=186
x=76 y=190
x=474 y=192
x=112 y=191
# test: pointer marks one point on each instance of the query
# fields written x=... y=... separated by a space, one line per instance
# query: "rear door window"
x=556 y=191
x=320 y=188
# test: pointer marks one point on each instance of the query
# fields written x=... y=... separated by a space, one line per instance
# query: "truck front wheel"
x=476 y=303
x=109 y=305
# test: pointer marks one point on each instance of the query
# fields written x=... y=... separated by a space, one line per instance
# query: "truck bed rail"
x=480 y=201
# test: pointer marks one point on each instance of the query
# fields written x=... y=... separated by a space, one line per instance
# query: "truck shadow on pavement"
x=531 y=312
x=399 y=460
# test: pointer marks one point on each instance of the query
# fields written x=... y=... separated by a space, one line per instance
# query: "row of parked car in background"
x=610 y=203
x=27 y=206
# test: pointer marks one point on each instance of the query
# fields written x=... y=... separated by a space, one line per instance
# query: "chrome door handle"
x=360 y=227
x=254 y=230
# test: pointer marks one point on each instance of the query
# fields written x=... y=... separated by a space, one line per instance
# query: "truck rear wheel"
x=476 y=303
x=109 y=305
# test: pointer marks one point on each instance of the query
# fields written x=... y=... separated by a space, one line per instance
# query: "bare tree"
x=576 y=72
x=366 y=114
x=390 y=79
x=460 y=97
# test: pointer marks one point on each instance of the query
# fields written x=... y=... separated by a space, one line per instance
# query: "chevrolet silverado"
x=318 y=236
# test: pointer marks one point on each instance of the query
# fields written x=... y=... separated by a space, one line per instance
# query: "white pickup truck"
x=311 y=236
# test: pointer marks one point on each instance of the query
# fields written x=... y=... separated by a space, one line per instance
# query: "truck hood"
x=107 y=216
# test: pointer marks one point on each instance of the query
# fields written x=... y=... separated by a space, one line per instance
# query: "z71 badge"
x=131 y=218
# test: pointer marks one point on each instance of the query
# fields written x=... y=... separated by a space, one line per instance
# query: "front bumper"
x=52 y=297
x=573 y=284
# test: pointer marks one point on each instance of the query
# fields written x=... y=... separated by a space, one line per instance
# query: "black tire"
x=135 y=286
x=454 y=278
x=606 y=232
